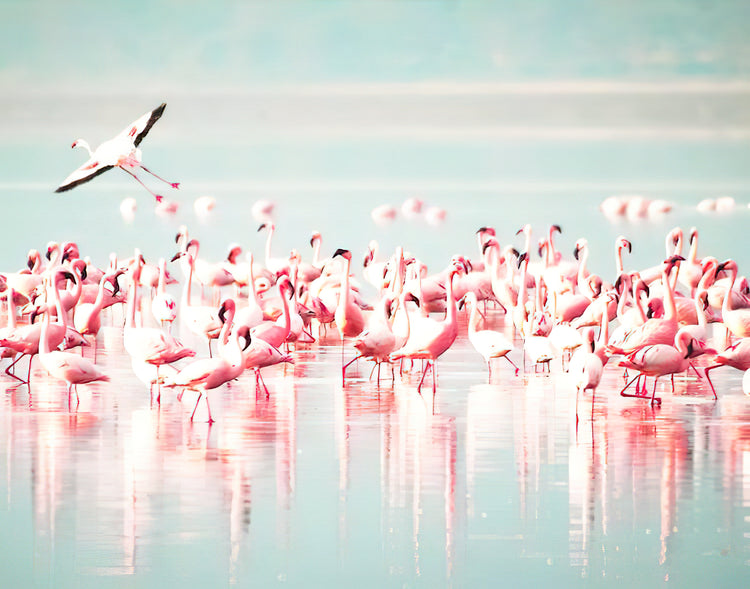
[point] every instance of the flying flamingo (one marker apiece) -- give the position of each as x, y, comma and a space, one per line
121, 152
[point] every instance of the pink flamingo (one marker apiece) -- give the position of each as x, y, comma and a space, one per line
121, 152
736, 321
87, 316
202, 320
431, 338
163, 305
490, 344
349, 318
206, 374
586, 367
377, 341
659, 360
653, 331
260, 354
71, 368
149, 344
270, 331
25, 340
737, 356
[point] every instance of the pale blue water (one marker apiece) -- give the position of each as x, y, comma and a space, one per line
501, 113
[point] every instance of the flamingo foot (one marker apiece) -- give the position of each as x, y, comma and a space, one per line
175, 185
159, 197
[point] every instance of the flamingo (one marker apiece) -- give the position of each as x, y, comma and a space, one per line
349, 318
163, 305
586, 366
659, 360
71, 368
656, 330
737, 356
274, 333
25, 340
490, 344
206, 273
87, 316
431, 339
206, 374
737, 321
149, 344
121, 151
260, 354
202, 320
377, 341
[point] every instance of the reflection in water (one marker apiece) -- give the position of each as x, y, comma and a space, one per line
381, 481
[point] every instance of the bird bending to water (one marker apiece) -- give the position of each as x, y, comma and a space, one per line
121, 151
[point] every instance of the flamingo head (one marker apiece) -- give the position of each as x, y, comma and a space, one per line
623, 243
346, 254
234, 251
227, 306
523, 257
581, 244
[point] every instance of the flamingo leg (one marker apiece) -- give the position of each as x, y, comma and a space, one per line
654, 398
158, 197
708, 378
11, 365
260, 378
345, 366
196, 406
172, 184
624, 394
424, 373
512, 364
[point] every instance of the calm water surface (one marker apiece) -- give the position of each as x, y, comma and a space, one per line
321, 483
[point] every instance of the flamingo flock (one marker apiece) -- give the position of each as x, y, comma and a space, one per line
684, 316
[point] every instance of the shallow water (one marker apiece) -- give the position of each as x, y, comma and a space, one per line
323, 483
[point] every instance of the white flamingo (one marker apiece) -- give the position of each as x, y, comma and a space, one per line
121, 151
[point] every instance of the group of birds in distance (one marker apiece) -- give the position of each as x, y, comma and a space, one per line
656, 322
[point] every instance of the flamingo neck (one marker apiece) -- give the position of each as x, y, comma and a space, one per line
85, 144
582, 268
670, 310
11, 309
726, 305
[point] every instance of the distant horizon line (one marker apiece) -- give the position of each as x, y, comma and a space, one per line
736, 85
716, 189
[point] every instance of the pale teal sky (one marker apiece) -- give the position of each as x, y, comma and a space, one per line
186, 44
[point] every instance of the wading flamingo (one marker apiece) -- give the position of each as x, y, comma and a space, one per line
71, 368
430, 339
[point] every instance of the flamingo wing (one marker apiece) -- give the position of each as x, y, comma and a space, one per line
90, 169
139, 128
